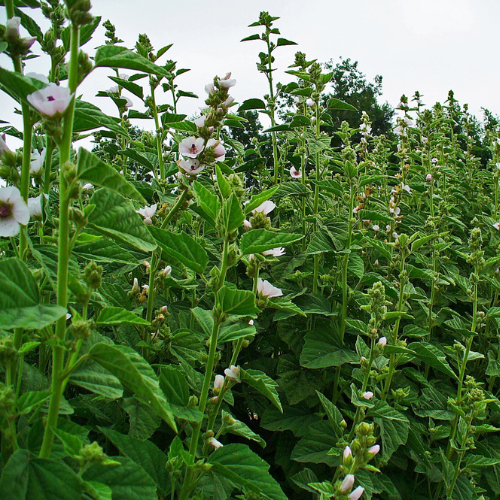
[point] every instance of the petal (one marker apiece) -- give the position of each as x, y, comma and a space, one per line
8, 227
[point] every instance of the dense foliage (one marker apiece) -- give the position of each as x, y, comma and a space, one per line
217, 311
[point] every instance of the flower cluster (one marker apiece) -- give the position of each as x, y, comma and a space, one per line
202, 150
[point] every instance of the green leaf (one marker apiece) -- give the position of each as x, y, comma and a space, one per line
17, 85
91, 169
284, 41
182, 247
292, 188
222, 182
260, 240
322, 350
297, 382
207, 201
340, 105
115, 217
320, 243
252, 104
128, 481
130, 86
136, 374
232, 213
334, 416
240, 429
104, 250
262, 383
26, 477
113, 56
297, 419
94, 378
143, 421
237, 302
118, 316
243, 467
234, 331
89, 117
19, 299
29, 400
72, 444
315, 445
145, 454
257, 199
431, 355
374, 215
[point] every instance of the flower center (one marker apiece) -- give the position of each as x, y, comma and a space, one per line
5, 210
50, 98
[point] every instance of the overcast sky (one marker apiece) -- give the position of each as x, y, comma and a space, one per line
427, 45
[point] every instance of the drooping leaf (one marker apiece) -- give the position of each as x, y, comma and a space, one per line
260, 240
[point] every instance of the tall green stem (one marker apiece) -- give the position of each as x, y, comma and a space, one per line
57, 386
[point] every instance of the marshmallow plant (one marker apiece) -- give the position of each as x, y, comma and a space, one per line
313, 310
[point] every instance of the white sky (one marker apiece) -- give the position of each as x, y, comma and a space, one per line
427, 45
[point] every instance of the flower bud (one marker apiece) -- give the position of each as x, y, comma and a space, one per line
367, 395
374, 449
382, 341
356, 494
218, 382
347, 483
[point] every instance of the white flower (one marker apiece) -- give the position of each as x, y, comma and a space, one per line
216, 444
35, 206
498, 166
38, 76
267, 290
247, 224
347, 483
219, 381
347, 452
147, 213
497, 226
382, 341
395, 235
251, 322
190, 166
356, 494
428, 177
355, 210
376, 228
12, 28
200, 121
3, 148
434, 161
145, 288
409, 122
219, 150
388, 227
233, 373
165, 273
296, 174
374, 449
310, 102
275, 252
424, 140
13, 211
368, 395
37, 159
226, 82
113, 90
129, 103
87, 186
210, 88
228, 102
406, 188
266, 207
51, 101
191, 146
135, 285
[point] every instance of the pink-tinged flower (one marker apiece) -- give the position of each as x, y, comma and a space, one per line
310, 102
135, 285
428, 177
247, 224
382, 341
395, 235
147, 213
233, 373
296, 174
13, 211
216, 444
200, 121
218, 382
27, 42
226, 82
219, 150
267, 290
38, 76
113, 90
347, 452
35, 206
51, 101
12, 28
376, 228
347, 483
227, 103
87, 186
164, 309
251, 323
128, 103
497, 226
191, 146
266, 207
37, 159
190, 166
275, 252
3, 147
124, 76
376, 262
374, 449
368, 395
434, 161
356, 494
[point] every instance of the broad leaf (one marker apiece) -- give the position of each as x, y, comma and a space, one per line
260, 240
